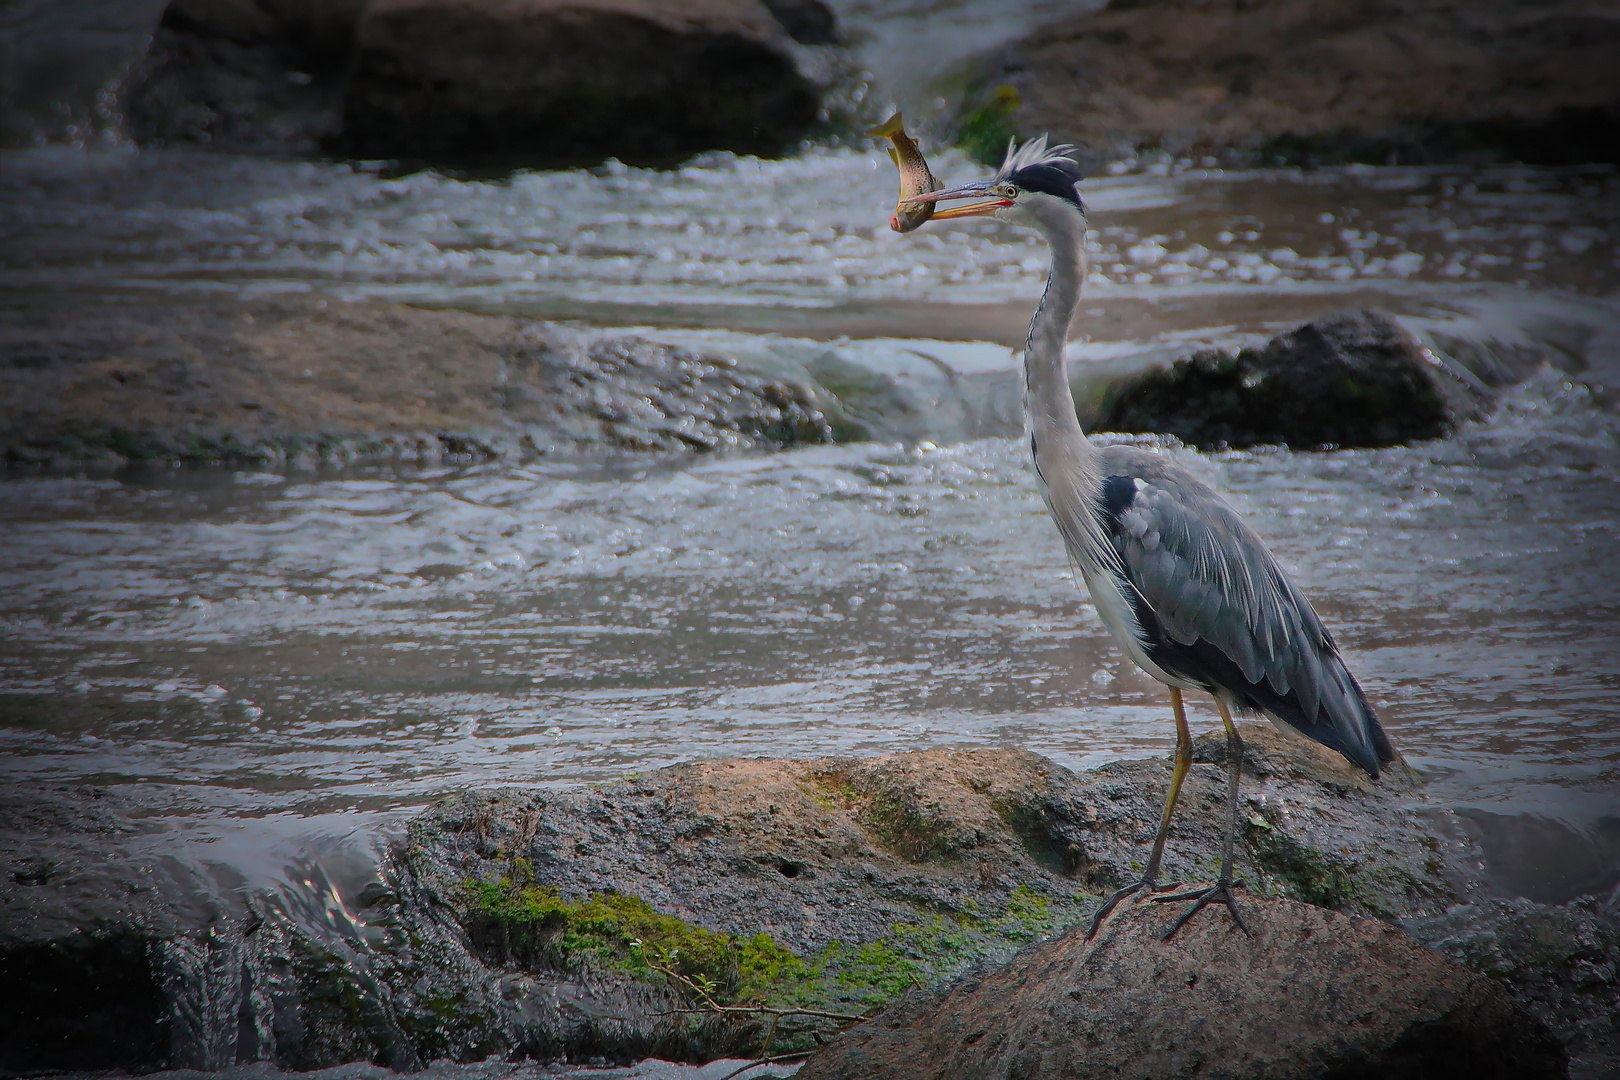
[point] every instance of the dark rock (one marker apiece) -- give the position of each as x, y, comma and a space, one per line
809, 22
90, 1004
558, 80
1436, 80
1561, 963
538, 81
127, 957
1312, 993
1353, 379
262, 76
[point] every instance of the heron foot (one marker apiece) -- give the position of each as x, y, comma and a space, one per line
1145, 885
1220, 892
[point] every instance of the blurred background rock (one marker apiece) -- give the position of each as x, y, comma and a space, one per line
1315, 81
528, 81
548, 82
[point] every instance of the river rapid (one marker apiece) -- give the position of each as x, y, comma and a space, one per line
283, 666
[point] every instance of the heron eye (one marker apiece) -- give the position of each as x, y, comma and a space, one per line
1009, 191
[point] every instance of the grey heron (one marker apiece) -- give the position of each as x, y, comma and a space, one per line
1184, 586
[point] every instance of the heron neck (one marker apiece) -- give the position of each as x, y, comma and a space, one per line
1048, 401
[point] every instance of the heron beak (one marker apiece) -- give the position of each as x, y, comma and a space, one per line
986, 208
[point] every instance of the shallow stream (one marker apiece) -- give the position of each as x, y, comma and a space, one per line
282, 666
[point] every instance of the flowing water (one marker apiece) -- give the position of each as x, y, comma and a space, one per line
280, 667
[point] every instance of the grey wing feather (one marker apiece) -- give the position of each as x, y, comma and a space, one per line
1207, 577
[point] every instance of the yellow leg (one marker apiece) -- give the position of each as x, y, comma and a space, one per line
1150, 877
1179, 774
1222, 891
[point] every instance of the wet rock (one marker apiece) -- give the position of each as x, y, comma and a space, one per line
304, 382
1357, 378
548, 924
1562, 963
809, 22
77, 920
117, 953
255, 76
541, 923
575, 79
1312, 993
840, 883
1441, 80
641, 395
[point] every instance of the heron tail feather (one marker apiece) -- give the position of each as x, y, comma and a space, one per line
1345, 721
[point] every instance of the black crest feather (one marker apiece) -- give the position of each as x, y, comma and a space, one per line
1036, 167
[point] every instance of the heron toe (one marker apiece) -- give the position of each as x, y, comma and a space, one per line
1221, 892
1145, 885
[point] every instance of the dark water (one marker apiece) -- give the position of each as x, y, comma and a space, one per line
267, 659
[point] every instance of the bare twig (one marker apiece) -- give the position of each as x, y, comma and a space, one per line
758, 1010
770, 1033
765, 1061
711, 1005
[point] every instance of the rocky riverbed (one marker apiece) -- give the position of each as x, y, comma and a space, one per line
1294, 80
305, 382
302, 382
659, 915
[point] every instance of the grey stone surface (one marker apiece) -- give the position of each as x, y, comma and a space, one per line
1311, 994
1561, 962
291, 382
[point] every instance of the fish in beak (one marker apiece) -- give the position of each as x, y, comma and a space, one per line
979, 189
914, 175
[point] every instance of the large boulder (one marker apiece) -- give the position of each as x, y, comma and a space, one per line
1356, 378
1310, 80
259, 76
299, 380
533, 81
559, 80
1312, 993
550, 924
542, 923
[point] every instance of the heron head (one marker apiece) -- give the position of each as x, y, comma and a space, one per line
1033, 184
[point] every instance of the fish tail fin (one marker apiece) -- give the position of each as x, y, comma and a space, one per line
894, 155
892, 126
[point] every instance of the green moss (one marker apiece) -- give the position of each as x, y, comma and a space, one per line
984, 131
1307, 874
1366, 883
613, 931
1029, 911
901, 827
534, 926
823, 798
